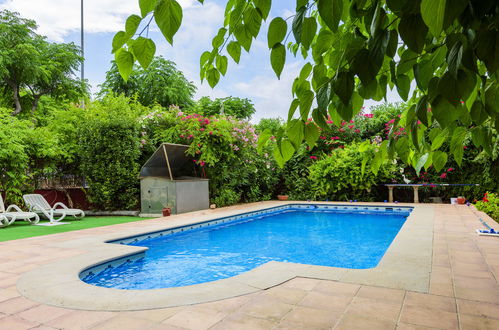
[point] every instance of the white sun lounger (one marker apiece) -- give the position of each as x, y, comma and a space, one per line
38, 204
13, 213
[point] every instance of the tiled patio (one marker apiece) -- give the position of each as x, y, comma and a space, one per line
463, 293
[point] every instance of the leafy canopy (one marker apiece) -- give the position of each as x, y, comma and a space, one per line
356, 50
29, 63
231, 106
160, 83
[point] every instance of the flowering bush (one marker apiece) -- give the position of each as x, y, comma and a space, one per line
223, 147
490, 205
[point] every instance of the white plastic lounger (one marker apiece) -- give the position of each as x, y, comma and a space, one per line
38, 204
13, 213
4, 221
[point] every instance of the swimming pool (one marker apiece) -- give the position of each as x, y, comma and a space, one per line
344, 236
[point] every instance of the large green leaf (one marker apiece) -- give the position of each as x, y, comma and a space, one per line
278, 58
311, 134
423, 72
221, 63
277, 31
403, 86
234, 50
120, 38
306, 100
433, 13
439, 140
124, 60
308, 32
252, 21
457, 143
343, 86
287, 150
263, 6
421, 162
454, 58
168, 17
422, 110
295, 132
212, 76
146, 6
144, 50
413, 31
331, 11
131, 25
298, 23
363, 66
439, 160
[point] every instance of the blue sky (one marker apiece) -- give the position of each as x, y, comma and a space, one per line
253, 78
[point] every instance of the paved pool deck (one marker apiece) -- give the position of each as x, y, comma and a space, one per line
449, 282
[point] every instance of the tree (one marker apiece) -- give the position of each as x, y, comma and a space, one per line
231, 106
160, 83
356, 50
29, 63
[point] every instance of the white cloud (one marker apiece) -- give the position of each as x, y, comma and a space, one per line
271, 96
58, 18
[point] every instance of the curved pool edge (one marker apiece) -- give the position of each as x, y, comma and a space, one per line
405, 265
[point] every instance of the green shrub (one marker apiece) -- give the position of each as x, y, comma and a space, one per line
490, 205
339, 176
226, 197
110, 149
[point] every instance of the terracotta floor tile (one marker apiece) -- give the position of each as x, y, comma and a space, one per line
475, 283
312, 317
6, 294
478, 308
301, 283
337, 288
407, 326
16, 305
430, 301
15, 323
375, 308
428, 317
120, 322
228, 305
485, 295
286, 295
43, 313
79, 320
352, 321
156, 315
194, 320
324, 301
266, 308
470, 322
372, 292
241, 321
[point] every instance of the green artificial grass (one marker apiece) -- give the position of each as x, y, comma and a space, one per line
22, 229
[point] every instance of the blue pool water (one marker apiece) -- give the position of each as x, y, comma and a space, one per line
347, 239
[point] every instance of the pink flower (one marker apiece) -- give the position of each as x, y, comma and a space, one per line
350, 126
391, 121
443, 175
201, 129
351, 122
450, 169
313, 157
357, 130
322, 137
465, 147
341, 130
211, 133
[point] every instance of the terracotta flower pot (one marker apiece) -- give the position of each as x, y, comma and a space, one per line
167, 212
461, 200
282, 197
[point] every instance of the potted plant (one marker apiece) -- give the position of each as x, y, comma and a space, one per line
282, 197
461, 200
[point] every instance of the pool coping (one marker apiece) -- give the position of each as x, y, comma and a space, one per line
405, 265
